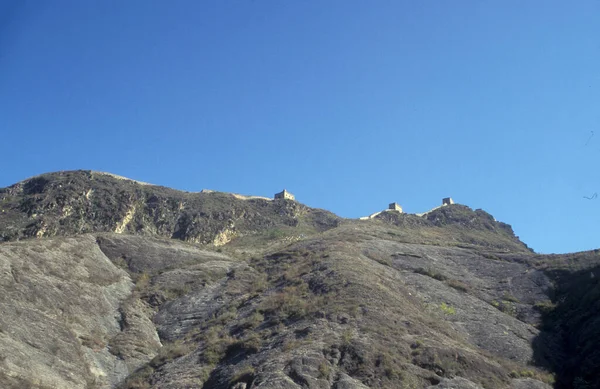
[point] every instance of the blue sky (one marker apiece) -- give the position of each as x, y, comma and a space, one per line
348, 104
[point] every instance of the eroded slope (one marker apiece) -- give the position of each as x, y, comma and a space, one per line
72, 318
348, 310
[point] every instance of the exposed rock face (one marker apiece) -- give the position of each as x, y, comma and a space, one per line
78, 202
64, 304
253, 293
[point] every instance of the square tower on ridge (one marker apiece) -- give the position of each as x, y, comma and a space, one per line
447, 201
284, 195
395, 207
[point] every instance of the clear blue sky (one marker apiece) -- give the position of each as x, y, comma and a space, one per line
348, 104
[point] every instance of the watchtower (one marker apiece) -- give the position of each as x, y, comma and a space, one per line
447, 201
395, 207
284, 195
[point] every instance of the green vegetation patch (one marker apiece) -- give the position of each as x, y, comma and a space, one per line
447, 309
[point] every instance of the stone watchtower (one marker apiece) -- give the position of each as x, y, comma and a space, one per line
395, 207
284, 195
447, 201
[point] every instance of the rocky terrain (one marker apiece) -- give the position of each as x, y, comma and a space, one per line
110, 283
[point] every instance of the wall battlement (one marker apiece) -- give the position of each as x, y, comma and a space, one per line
396, 207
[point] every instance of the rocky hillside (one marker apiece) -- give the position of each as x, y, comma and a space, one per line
77, 202
108, 283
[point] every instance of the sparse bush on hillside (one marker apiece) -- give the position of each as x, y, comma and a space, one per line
324, 370
522, 374
430, 272
491, 256
252, 321
216, 341
259, 285
505, 306
249, 345
142, 281
545, 306
95, 341
224, 316
276, 233
140, 379
458, 285
176, 292
447, 309
243, 375
169, 352
291, 303
509, 297
347, 336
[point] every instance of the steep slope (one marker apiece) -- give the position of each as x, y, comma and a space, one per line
74, 319
293, 298
325, 312
62, 302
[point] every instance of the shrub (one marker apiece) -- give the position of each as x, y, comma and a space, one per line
509, 297
491, 256
458, 285
447, 309
291, 303
140, 379
252, 321
224, 316
347, 337
429, 272
324, 370
216, 343
259, 285
522, 374
250, 345
94, 341
389, 366
170, 352
276, 233
244, 375
545, 306
291, 344
142, 281
505, 306
176, 292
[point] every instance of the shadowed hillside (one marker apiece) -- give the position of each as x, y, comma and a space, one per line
570, 337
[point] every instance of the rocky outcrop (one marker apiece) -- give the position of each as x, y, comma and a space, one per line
64, 304
457, 225
75, 202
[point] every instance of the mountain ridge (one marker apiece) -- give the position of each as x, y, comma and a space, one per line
165, 210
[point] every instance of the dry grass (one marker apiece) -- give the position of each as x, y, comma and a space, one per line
458, 285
